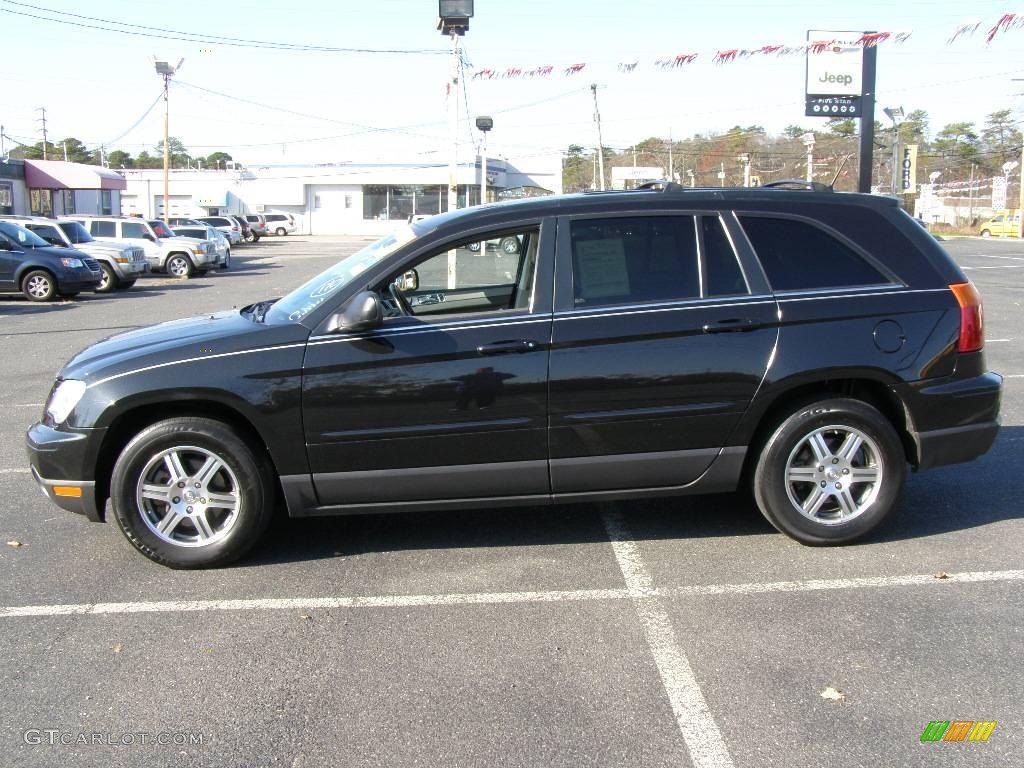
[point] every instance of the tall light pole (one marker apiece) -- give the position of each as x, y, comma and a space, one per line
745, 159
600, 142
453, 22
1020, 202
808, 140
896, 115
166, 71
484, 124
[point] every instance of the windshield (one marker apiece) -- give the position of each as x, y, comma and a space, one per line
22, 236
161, 229
76, 232
311, 294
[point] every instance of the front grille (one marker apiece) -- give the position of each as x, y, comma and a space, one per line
92, 264
138, 254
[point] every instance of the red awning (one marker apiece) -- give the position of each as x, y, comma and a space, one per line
56, 174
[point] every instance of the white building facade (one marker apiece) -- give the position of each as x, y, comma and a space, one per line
343, 198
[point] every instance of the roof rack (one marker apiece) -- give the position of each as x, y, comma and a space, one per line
811, 186
664, 185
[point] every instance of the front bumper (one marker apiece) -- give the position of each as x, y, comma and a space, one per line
131, 270
63, 464
963, 417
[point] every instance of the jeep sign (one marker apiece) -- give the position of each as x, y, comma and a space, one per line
834, 69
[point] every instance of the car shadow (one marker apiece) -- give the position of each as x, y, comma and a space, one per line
944, 500
11, 306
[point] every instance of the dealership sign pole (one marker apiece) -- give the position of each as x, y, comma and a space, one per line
841, 84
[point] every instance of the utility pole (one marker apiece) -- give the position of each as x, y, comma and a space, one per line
1020, 202
671, 173
166, 71
600, 143
43, 110
808, 140
65, 151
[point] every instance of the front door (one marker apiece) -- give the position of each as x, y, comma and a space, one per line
661, 338
447, 399
9, 261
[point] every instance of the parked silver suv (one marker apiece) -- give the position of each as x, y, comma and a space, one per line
120, 262
177, 256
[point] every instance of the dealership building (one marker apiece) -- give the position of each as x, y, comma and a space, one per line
336, 198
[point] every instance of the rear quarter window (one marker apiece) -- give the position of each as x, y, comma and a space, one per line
798, 256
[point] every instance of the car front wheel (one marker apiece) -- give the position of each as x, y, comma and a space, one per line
986, 233
39, 285
190, 493
830, 472
108, 280
180, 265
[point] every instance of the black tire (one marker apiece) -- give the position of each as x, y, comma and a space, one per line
227, 259
109, 282
39, 285
256, 237
244, 476
835, 515
986, 233
124, 285
249, 237
509, 245
281, 232
180, 265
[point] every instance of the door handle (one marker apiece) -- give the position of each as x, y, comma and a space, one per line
732, 325
507, 347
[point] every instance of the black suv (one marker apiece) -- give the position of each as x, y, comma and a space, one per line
647, 343
42, 272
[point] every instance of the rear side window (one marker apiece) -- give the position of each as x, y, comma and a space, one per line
275, 217
634, 260
798, 256
133, 229
103, 228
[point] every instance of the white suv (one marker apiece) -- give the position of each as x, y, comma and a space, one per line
280, 223
177, 256
121, 263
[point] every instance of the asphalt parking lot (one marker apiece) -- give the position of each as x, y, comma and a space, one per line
671, 632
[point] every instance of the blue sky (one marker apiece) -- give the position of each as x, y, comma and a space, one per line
96, 84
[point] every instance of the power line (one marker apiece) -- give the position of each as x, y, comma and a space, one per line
194, 37
138, 122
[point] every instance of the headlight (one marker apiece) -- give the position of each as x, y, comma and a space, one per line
72, 262
64, 398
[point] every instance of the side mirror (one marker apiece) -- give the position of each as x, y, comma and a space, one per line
408, 281
362, 312
149, 237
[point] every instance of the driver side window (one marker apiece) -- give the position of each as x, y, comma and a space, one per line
492, 272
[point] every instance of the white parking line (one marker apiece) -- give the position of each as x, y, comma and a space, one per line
14, 471
628, 550
293, 603
700, 732
998, 266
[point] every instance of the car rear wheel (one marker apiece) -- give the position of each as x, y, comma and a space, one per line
830, 472
108, 280
39, 285
180, 265
190, 493
280, 231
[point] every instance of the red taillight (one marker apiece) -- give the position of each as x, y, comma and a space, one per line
972, 319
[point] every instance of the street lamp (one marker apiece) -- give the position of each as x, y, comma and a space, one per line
896, 115
484, 124
453, 21
808, 140
166, 71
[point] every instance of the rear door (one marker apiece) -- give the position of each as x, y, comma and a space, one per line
661, 338
10, 258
